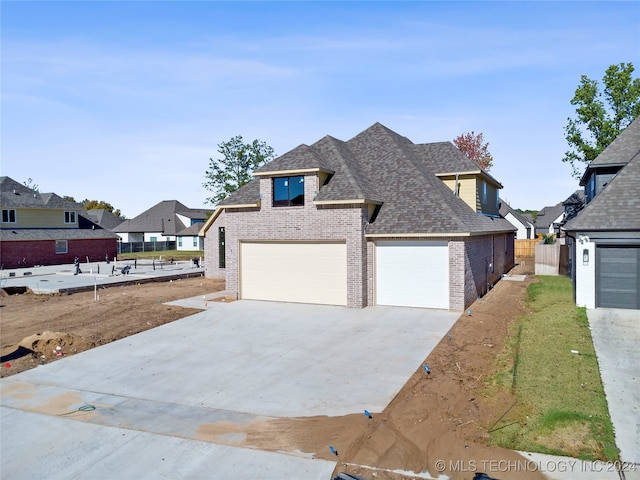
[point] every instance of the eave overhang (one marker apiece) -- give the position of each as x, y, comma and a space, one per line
294, 171
482, 173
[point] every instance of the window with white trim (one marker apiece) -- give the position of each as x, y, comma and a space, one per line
8, 216
484, 192
62, 246
69, 217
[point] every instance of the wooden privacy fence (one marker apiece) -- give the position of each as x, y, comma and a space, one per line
552, 259
526, 247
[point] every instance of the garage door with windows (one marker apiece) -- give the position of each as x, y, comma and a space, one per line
300, 272
412, 273
618, 277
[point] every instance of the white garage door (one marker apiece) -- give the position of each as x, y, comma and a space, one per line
305, 272
412, 274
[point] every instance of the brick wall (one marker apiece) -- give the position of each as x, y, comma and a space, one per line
43, 252
468, 256
486, 259
308, 222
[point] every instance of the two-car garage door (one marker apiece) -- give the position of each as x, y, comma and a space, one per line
302, 272
412, 273
407, 273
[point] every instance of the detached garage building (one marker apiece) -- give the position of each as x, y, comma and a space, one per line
375, 220
605, 235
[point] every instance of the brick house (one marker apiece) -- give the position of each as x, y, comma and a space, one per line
375, 220
44, 229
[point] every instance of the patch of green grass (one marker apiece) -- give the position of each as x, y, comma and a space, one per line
165, 254
560, 406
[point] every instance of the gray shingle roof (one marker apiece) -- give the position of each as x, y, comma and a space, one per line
505, 209
162, 217
622, 149
617, 207
22, 234
548, 215
301, 157
191, 231
618, 153
248, 194
381, 166
103, 217
16, 195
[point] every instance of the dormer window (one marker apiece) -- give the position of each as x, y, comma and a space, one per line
69, 217
288, 191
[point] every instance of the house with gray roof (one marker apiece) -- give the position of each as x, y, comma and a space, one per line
549, 219
189, 238
605, 234
44, 229
525, 227
375, 220
160, 223
103, 217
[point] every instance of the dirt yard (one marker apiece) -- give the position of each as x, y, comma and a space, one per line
33, 326
441, 416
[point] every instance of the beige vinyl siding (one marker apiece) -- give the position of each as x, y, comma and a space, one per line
467, 189
300, 272
41, 218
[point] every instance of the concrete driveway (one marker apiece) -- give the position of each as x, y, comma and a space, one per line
616, 337
233, 362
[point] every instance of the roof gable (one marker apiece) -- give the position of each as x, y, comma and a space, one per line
505, 209
379, 166
617, 207
162, 217
618, 153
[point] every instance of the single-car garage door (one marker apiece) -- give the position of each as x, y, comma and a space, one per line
618, 277
412, 274
302, 272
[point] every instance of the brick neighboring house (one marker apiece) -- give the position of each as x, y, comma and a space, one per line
605, 235
376, 220
162, 222
44, 229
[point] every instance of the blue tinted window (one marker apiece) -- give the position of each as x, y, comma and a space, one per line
288, 191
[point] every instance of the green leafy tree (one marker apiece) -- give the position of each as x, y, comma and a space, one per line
227, 174
600, 115
100, 205
473, 147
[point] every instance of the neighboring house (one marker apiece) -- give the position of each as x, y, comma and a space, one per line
44, 229
189, 239
525, 226
160, 223
573, 205
376, 220
605, 235
549, 219
104, 218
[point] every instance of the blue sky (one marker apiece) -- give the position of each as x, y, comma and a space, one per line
127, 101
